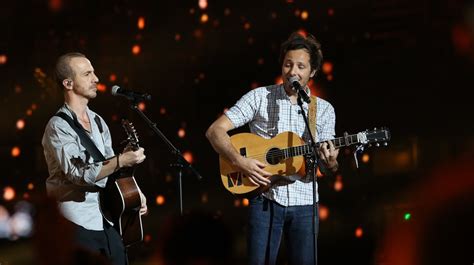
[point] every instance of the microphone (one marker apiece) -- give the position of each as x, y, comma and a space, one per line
294, 81
130, 95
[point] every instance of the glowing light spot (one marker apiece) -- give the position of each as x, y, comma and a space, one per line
192, 11
359, 232
338, 183
237, 203
18, 89
112, 77
160, 200
303, 32
34, 106
323, 212
202, 4
279, 80
3, 59
247, 26
365, 158
26, 196
204, 198
407, 216
141, 23
204, 18
245, 202
55, 5
327, 67
147, 238
198, 34
181, 133
304, 15
8, 193
142, 106
330, 77
29, 112
226, 11
331, 12
30, 186
297, 12
101, 87
15, 151
20, 124
177, 37
136, 49
162, 110
188, 156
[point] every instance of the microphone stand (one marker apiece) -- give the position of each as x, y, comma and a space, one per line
312, 158
180, 161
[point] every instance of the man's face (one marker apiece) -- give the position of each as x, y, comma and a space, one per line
84, 80
296, 63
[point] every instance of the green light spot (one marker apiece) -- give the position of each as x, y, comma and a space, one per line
407, 216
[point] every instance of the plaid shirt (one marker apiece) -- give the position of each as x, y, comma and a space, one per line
269, 111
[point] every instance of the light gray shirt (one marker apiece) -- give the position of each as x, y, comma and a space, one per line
269, 111
72, 171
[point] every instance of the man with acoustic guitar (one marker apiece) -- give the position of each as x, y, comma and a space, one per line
74, 178
284, 208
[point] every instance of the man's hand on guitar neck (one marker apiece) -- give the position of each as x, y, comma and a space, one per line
328, 154
130, 158
253, 169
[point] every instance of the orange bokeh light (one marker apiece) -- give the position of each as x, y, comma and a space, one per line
247, 26
112, 77
327, 67
245, 202
136, 49
304, 15
204, 18
323, 212
8, 193
15, 151
188, 156
359, 232
162, 110
181, 133
101, 87
142, 106
237, 203
338, 184
20, 124
141, 23
203, 4
3, 59
365, 158
160, 200
30, 186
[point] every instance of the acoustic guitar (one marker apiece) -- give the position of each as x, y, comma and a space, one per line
120, 199
283, 155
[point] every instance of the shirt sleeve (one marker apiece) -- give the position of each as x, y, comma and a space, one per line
62, 145
244, 110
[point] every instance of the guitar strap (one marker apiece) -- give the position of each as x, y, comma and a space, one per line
86, 141
312, 117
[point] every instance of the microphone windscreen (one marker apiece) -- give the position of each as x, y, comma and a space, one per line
293, 79
115, 89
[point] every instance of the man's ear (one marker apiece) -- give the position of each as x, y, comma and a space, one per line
67, 83
313, 73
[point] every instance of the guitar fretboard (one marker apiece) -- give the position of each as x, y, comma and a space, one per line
306, 149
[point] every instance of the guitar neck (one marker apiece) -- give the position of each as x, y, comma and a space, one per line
306, 149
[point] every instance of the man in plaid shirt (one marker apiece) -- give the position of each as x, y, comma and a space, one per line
285, 208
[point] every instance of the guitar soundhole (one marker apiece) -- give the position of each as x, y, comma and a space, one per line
274, 156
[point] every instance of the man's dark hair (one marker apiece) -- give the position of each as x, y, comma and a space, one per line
63, 69
297, 41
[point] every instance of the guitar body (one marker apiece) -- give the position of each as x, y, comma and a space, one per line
254, 146
120, 204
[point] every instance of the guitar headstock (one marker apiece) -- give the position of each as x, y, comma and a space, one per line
132, 137
377, 137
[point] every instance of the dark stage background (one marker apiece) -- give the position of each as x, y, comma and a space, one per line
406, 65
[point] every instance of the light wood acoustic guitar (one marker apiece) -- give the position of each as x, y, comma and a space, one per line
283, 155
120, 199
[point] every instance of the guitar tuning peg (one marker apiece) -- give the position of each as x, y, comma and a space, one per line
377, 144
370, 145
375, 128
385, 144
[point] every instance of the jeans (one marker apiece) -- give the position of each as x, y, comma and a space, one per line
268, 221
